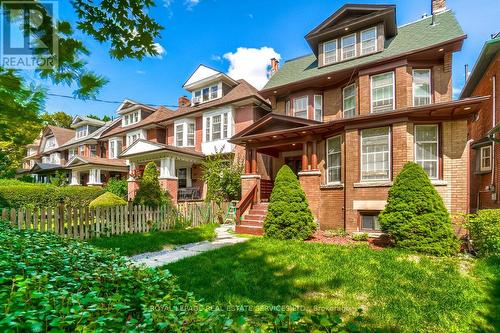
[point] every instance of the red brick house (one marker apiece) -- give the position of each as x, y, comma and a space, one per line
484, 128
346, 118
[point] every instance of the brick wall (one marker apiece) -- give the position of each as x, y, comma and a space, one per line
332, 104
171, 186
310, 183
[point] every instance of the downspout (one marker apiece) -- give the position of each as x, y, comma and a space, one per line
493, 171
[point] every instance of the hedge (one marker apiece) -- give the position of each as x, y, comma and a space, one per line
484, 231
54, 284
45, 195
107, 199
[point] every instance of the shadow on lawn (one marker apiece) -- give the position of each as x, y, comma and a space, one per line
490, 268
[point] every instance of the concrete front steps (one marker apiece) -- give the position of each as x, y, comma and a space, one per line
251, 223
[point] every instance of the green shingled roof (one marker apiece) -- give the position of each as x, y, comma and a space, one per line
410, 37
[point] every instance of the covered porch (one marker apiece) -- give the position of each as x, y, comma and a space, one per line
95, 171
179, 167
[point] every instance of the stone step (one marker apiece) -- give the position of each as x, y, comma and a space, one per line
255, 211
251, 223
251, 217
250, 230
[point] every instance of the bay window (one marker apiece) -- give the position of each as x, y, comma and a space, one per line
375, 154
207, 129
349, 101
300, 107
134, 136
382, 92
330, 52
427, 149
485, 159
318, 107
93, 150
421, 87
190, 134
369, 41
218, 126
184, 133
225, 124
333, 167
216, 129
115, 148
179, 135
348, 47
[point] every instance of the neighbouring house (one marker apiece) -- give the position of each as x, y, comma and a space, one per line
346, 118
178, 141
484, 128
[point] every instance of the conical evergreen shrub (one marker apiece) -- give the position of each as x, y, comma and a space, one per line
288, 216
150, 193
415, 216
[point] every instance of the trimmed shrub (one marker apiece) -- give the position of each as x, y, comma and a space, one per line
415, 216
150, 193
18, 181
118, 187
288, 216
107, 199
54, 284
45, 195
360, 236
484, 231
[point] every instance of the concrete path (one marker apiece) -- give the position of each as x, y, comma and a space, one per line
160, 258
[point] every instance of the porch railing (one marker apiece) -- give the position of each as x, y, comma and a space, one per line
245, 202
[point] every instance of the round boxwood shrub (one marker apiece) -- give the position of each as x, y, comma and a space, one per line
288, 216
484, 231
415, 216
108, 199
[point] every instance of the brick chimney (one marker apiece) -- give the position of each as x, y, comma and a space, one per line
184, 102
275, 64
438, 6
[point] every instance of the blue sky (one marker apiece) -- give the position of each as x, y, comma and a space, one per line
242, 35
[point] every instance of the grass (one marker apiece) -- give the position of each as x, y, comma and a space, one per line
131, 244
399, 291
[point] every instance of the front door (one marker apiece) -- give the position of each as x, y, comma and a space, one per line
295, 163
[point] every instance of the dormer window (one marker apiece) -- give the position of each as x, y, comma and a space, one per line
81, 132
330, 52
131, 118
369, 41
348, 47
51, 143
207, 94
214, 92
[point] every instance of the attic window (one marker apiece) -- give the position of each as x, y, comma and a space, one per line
81, 132
369, 41
330, 52
348, 47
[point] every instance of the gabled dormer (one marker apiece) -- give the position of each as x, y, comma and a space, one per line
207, 84
132, 112
85, 126
351, 32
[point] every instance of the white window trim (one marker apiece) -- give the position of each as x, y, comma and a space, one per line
413, 83
393, 91
361, 157
343, 99
79, 130
131, 117
211, 115
116, 153
336, 52
437, 145
321, 99
210, 98
361, 42
328, 181
342, 46
481, 158
185, 126
140, 135
307, 107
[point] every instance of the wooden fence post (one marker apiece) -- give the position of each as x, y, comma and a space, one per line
60, 219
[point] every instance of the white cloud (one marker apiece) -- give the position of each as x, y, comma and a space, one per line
160, 49
456, 92
250, 16
251, 64
167, 3
191, 3
140, 72
216, 57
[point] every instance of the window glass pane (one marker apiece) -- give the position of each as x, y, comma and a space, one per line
370, 222
382, 92
369, 41
205, 94
349, 103
216, 129
330, 52
485, 155
179, 135
318, 107
375, 154
426, 149
214, 92
421, 87
333, 160
349, 46
207, 129
225, 133
300, 107
190, 135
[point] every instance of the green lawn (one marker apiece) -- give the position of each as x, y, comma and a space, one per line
399, 291
130, 244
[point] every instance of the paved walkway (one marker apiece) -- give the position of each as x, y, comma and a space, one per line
160, 258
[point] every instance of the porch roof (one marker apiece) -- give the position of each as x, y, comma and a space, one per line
141, 146
257, 135
105, 162
45, 167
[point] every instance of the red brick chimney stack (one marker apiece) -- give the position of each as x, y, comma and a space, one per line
275, 64
438, 6
184, 102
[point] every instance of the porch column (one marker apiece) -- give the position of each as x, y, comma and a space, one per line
314, 156
75, 177
247, 160
94, 177
254, 161
168, 181
305, 160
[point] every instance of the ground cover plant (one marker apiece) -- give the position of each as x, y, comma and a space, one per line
289, 216
398, 290
131, 244
415, 216
53, 284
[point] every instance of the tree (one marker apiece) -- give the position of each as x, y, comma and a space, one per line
150, 192
117, 186
415, 216
59, 179
59, 119
288, 215
104, 118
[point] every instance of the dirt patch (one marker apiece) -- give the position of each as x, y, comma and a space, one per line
321, 236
